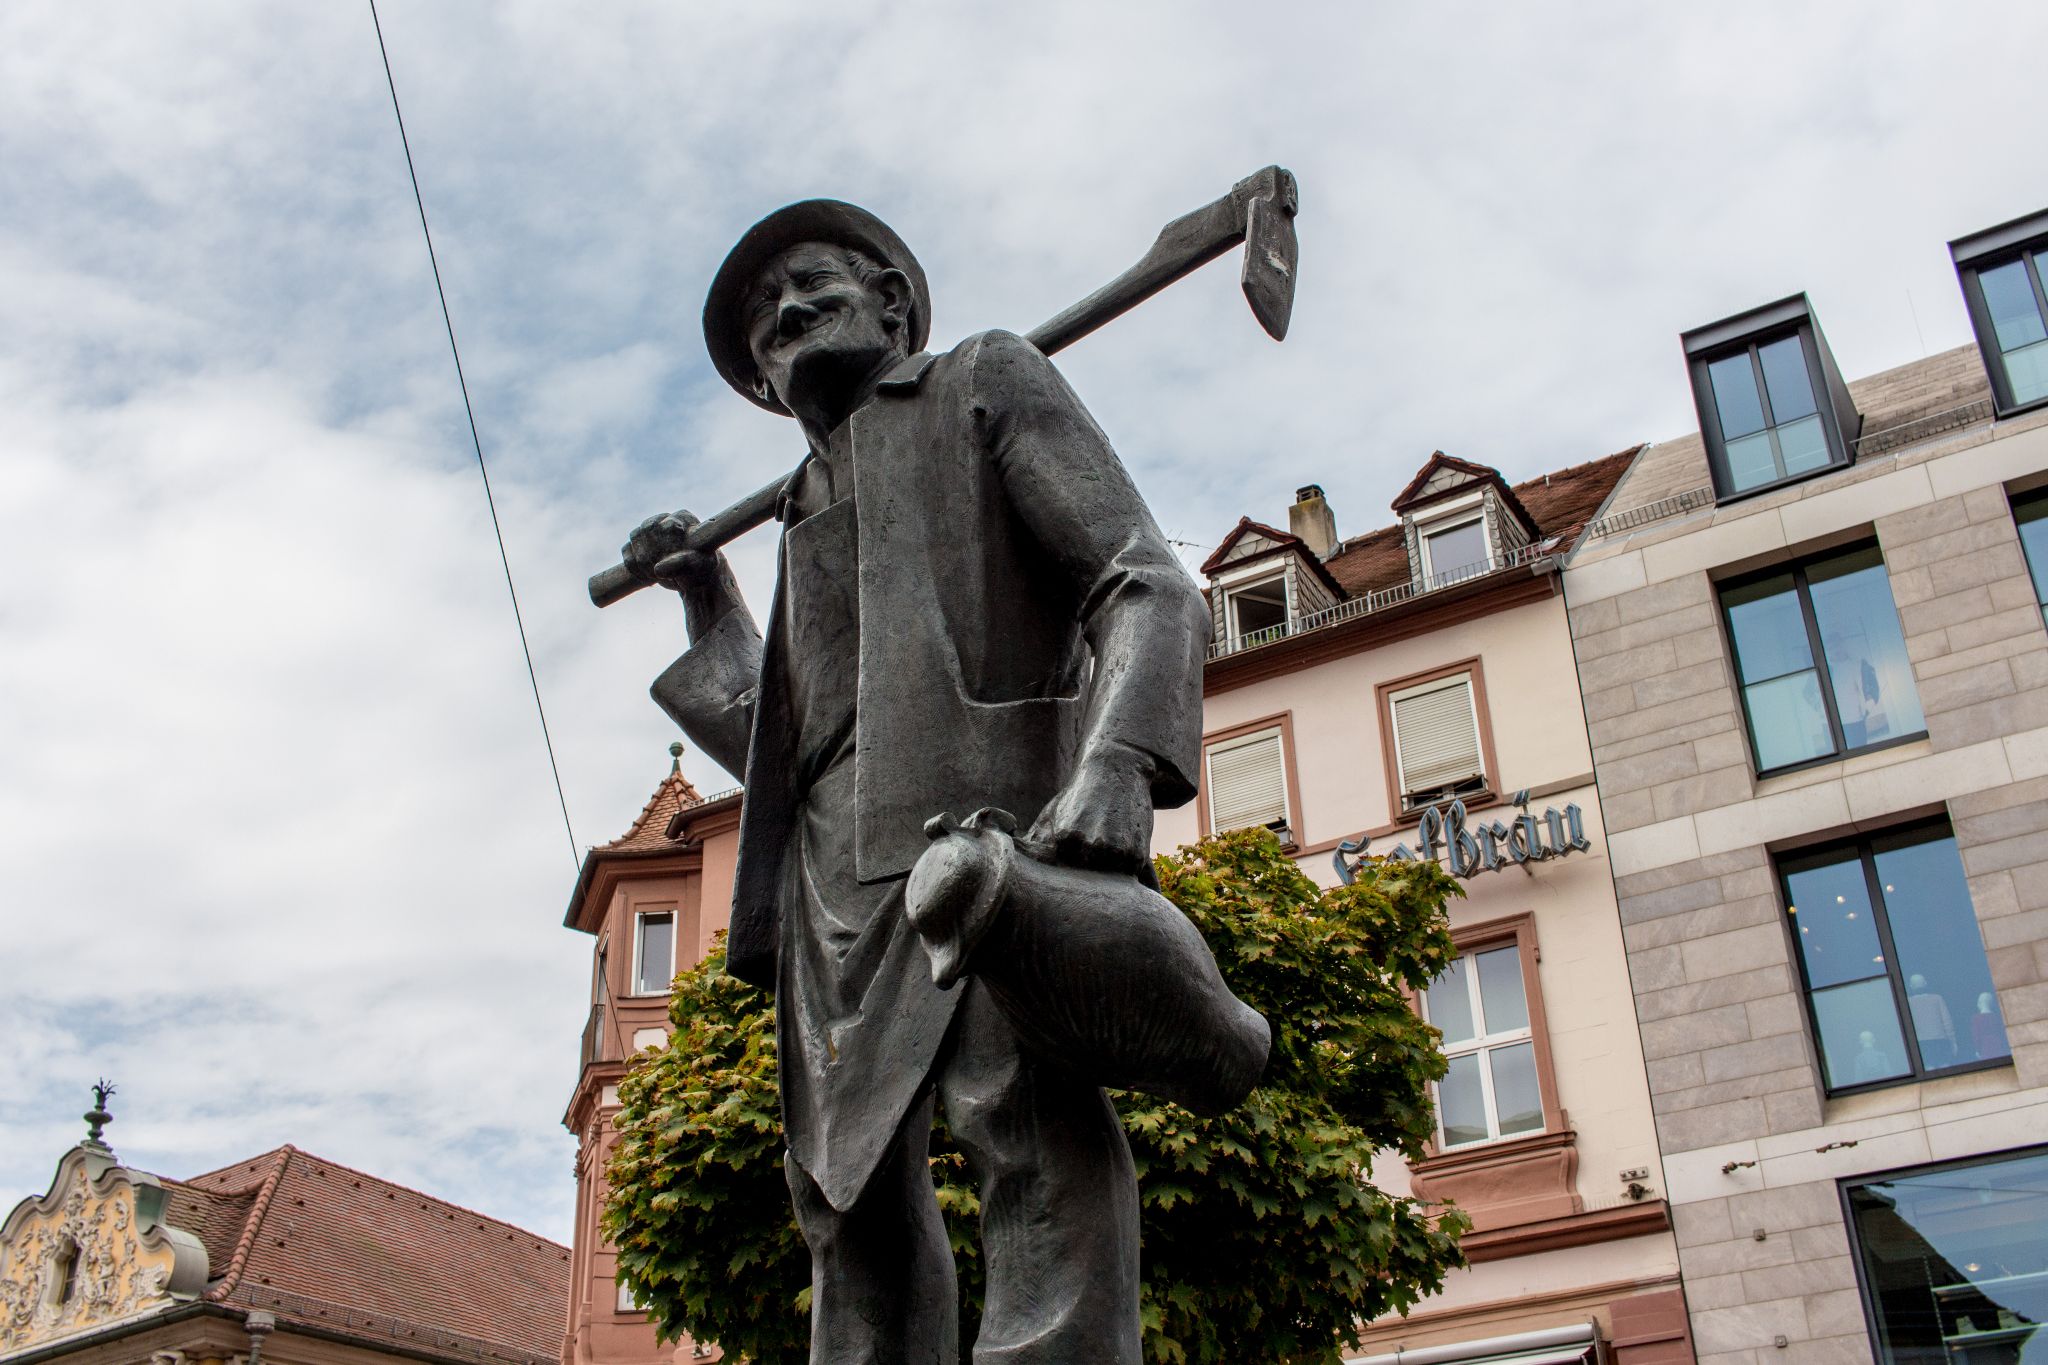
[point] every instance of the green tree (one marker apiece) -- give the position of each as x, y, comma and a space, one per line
1263, 1234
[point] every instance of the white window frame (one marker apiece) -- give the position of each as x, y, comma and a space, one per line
1230, 595
627, 1303
1481, 1043
1451, 522
1449, 680
640, 942
1275, 732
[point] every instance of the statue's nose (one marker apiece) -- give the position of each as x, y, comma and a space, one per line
793, 317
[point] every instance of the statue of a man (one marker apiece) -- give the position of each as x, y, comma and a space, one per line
974, 610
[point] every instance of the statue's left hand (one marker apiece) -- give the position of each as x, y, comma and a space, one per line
1102, 818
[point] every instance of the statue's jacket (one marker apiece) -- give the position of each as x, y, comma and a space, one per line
1017, 609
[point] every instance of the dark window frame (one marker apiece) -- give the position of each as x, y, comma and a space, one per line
1866, 847
1749, 332
2022, 239
1865, 1294
2028, 507
1797, 569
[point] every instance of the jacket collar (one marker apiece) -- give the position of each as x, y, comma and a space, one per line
908, 374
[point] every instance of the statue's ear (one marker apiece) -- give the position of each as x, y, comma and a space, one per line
897, 297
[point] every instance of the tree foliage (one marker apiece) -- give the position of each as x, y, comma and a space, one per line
1263, 1234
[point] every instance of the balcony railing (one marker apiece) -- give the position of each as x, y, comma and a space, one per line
593, 1035
1367, 603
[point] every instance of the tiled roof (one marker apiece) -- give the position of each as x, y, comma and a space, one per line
650, 829
1560, 504
321, 1243
1246, 527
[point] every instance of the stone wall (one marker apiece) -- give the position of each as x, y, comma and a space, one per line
1753, 1146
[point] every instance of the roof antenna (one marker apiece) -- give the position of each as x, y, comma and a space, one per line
97, 1117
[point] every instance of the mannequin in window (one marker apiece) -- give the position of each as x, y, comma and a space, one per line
1933, 1025
1871, 1064
1987, 1033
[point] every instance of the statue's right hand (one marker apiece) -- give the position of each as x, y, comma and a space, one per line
658, 551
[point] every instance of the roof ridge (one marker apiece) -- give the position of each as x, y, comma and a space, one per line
1538, 480
244, 1244
433, 1198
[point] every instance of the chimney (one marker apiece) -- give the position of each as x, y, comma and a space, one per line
1312, 521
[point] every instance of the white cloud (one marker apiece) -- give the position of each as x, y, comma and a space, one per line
281, 852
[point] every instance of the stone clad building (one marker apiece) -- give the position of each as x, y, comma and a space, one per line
1811, 642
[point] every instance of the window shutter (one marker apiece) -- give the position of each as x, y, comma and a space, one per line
1247, 782
1436, 735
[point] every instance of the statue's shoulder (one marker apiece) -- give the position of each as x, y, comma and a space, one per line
1000, 365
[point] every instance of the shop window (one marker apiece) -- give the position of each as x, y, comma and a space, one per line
2002, 272
1438, 742
1487, 1007
1821, 660
1246, 781
1954, 1260
1896, 982
2030, 515
1771, 406
1258, 609
654, 954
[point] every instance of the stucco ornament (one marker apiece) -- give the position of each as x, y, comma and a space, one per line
91, 1251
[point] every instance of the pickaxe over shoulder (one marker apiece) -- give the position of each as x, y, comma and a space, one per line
1259, 211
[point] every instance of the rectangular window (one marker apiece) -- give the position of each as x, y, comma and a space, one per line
655, 954
1247, 781
1258, 609
629, 1302
1481, 1006
1772, 406
1821, 659
2002, 272
1954, 1260
1455, 551
1436, 741
1892, 962
2030, 515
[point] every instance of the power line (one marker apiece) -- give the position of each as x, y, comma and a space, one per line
532, 678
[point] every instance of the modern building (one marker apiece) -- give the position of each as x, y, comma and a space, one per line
1412, 692
651, 900
1811, 643
285, 1258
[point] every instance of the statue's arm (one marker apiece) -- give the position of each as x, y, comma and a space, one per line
710, 690
1142, 614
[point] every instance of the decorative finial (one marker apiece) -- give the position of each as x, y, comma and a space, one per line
97, 1117
675, 753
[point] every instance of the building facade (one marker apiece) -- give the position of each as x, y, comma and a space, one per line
1412, 692
651, 900
285, 1258
1811, 643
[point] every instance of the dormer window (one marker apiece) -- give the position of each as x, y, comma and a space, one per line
1455, 548
1257, 606
2002, 271
1772, 406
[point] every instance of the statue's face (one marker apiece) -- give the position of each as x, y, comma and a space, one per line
817, 331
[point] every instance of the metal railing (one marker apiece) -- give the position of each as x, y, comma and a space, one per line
593, 1035
1650, 511
1365, 604
1923, 427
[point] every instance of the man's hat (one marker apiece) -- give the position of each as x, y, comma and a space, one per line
812, 220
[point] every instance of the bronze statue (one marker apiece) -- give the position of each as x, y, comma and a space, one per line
975, 616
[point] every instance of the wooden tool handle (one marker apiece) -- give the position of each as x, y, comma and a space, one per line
619, 582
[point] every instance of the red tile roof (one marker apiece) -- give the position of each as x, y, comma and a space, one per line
650, 829
323, 1244
1560, 503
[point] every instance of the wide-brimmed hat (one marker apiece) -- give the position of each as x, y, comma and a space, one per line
812, 220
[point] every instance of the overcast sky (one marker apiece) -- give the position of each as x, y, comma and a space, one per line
279, 851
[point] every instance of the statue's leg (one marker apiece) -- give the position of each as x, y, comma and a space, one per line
1059, 1199
882, 1287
